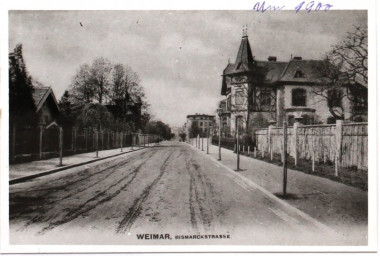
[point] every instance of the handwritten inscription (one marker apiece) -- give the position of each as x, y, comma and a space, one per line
304, 5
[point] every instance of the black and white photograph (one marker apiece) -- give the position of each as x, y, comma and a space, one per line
189, 127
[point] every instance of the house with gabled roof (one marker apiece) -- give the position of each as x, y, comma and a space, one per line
263, 92
46, 105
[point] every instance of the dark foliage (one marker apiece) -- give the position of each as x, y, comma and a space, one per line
22, 109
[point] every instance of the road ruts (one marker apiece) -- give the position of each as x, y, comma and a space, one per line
201, 196
134, 211
122, 177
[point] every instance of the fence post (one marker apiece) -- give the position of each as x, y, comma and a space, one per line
338, 140
270, 128
85, 137
60, 146
313, 162
75, 138
102, 134
121, 141
72, 138
295, 136
202, 143
96, 142
13, 149
41, 133
248, 149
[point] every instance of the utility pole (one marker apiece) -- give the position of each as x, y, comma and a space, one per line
285, 164
237, 144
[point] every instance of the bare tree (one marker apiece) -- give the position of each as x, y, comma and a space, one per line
101, 78
82, 89
126, 83
344, 74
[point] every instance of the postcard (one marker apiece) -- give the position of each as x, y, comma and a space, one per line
140, 127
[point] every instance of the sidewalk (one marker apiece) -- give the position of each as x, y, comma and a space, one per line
17, 171
338, 206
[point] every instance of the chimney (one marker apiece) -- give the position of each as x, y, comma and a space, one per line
272, 58
297, 58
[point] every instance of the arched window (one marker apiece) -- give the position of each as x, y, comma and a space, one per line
299, 97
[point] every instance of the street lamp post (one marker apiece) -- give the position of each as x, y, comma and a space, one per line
220, 133
237, 143
208, 138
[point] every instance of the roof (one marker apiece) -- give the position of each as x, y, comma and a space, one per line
244, 59
200, 115
271, 70
41, 94
306, 70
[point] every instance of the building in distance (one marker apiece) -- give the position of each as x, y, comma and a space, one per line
199, 124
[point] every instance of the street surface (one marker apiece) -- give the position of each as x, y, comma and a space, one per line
167, 189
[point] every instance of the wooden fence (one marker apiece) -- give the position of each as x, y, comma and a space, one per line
28, 144
346, 145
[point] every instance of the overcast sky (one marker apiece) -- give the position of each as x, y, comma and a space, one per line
179, 55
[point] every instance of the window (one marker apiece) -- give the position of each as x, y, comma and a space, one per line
298, 74
334, 98
265, 98
299, 97
201, 123
331, 120
239, 97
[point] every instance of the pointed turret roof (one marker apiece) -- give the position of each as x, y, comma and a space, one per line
244, 59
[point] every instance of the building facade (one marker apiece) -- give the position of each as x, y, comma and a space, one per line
264, 92
46, 105
199, 124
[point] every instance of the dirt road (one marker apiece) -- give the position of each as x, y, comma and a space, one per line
170, 190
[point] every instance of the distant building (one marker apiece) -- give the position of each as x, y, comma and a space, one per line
46, 105
199, 124
271, 91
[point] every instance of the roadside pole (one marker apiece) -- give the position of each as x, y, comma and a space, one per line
237, 144
285, 163
96, 142
202, 143
208, 138
60, 145
237, 149
121, 141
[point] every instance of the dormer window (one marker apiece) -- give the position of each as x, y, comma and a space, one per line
298, 74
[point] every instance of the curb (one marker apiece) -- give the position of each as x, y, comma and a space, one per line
59, 169
273, 197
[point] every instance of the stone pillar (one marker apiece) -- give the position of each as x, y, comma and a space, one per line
338, 143
270, 144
